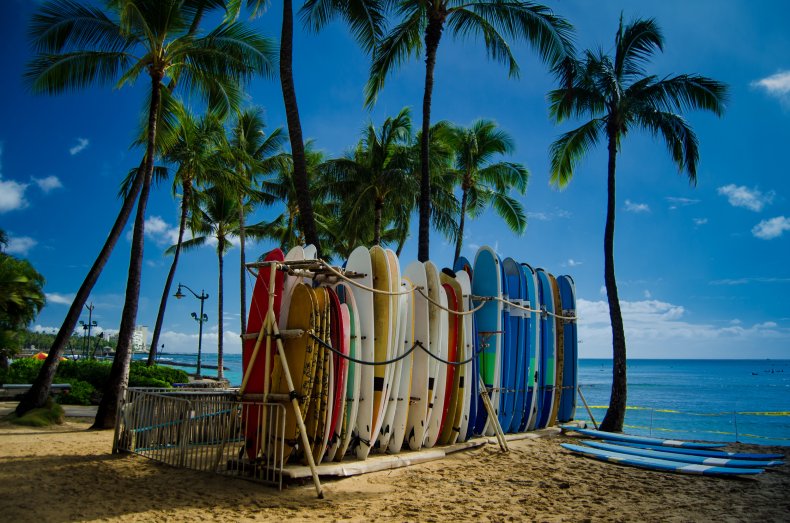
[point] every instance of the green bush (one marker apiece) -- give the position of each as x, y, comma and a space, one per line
95, 372
3, 375
140, 372
142, 381
24, 370
82, 393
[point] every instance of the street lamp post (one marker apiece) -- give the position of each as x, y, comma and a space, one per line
200, 319
86, 328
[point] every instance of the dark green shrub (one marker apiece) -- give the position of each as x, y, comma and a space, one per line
82, 393
142, 381
95, 372
24, 370
140, 371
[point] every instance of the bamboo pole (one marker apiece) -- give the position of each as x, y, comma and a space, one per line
492, 417
589, 412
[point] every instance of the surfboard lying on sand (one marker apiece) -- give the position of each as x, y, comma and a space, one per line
708, 453
658, 464
614, 436
685, 458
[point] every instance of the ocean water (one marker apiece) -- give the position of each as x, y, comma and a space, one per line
717, 400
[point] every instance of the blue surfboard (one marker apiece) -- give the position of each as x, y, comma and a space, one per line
472, 382
507, 375
516, 340
548, 351
685, 458
614, 436
570, 372
533, 344
708, 453
659, 464
487, 281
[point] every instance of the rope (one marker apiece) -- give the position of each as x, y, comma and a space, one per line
447, 362
363, 362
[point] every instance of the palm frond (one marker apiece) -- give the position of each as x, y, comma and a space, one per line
63, 25
510, 210
681, 92
56, 73
568, 150
404, 41
464, 22
679, 138
635, 43
365, 18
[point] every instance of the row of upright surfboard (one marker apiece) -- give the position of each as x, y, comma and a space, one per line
400, 367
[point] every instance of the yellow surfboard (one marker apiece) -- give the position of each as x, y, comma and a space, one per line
560, 360
300, 353
382, 335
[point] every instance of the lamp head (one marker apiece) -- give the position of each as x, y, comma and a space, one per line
194, 315
178, 295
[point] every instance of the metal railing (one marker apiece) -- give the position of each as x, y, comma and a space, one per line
205, 430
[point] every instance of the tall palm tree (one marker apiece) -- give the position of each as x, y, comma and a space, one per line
217, 219
376, 173
618, 95
78, 45
483, 183
425, 21
21, 299
366, 20
285, 228
251, 153
195, 153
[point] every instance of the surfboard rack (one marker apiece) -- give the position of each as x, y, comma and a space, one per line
271, 331
493, 418
286, 334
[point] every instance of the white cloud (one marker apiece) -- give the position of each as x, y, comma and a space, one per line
82, 143
776, 85
181, 342
773, 228
747, 280
742, 196
548, 215
158, 230
659, 329
572, 263
676, 201
12, 194
636, 207
647, 294
20, 245
60, 299
48, 184
700, 221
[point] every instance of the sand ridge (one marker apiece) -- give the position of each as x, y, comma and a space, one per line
67, 473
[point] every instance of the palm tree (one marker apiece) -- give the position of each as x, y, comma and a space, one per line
77, 46
252, 153
217, 219
21, 299
483, 183
366, 19
425, 20
285, 228
376, 173
195, 152
618, 95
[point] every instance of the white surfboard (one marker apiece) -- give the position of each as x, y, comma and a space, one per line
418, 407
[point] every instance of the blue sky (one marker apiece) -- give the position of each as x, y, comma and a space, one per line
703, 271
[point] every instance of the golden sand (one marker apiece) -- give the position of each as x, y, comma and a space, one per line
67, 473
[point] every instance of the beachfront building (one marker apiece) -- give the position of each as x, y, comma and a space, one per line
140, 339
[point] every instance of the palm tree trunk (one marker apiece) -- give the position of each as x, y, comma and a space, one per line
220, 250
377, 211
433, 33
303, 198
460, 240
615, 415
119, 372
160, 316
242, 268
38, 393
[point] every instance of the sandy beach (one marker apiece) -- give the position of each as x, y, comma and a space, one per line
67, 473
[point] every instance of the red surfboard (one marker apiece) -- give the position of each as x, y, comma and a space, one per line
452, 352
338, 337
259, 306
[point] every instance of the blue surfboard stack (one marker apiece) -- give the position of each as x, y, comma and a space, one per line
517, 344
684, 457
